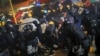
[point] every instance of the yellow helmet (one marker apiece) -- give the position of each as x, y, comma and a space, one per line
29, 14
51, 23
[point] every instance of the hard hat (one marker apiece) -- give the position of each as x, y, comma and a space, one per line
54, 10
29, 14
68, 6
49, 11
51, 23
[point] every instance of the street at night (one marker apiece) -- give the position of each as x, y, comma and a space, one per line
50, 28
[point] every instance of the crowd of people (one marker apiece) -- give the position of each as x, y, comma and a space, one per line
51, 27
